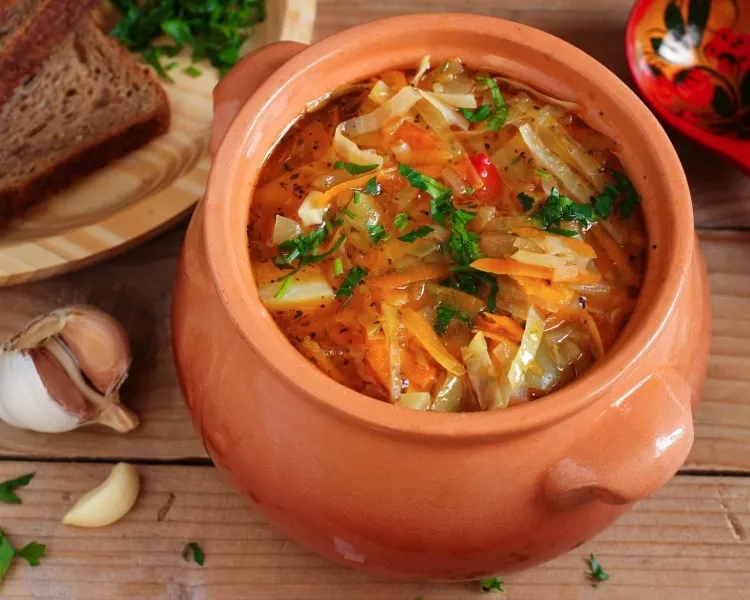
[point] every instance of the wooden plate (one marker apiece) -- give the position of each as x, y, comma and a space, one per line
145, 192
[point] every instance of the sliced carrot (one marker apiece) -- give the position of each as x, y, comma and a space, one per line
615, 253
551, 298
407, 276
585, 278
422, 331
331, 193
493, 335
513, 330
417, 137
508, 266
420, 373
377, 357
577, 246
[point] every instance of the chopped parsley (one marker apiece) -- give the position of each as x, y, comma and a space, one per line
469, 190
196, 551
445, 314
356, 196
603, 204
491, 584
515, 160
348, 213
472, 281
377, 233
193, 71
463, 245
558, 209
401, 221
477, 115
355, 276
500, 113
631, 197
6, 488
32, 553
422, 182
542, 173
596, 569
414, 234
441, 208
286, 283
527, 202
338, 267
353, 168
214, 30
372, 187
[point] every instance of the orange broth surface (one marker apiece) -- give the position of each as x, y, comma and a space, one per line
444, 239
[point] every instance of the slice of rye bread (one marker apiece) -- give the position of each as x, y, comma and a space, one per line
30, 30
89, 103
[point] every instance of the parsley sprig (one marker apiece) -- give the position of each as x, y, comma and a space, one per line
6, 488
491, 584
355, 169
495, 114
214, 29
192, 548
444, 316
355, 276
32, 553
596, 569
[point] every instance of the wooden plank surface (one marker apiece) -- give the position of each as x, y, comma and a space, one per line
136, 288
690, 541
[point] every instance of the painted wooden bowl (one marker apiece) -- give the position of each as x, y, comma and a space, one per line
691, 61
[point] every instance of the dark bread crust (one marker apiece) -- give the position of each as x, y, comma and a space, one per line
36, 39
96, 151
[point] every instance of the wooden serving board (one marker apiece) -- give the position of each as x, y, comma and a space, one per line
145, 192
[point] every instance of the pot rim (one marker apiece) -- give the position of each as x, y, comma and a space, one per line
226, 246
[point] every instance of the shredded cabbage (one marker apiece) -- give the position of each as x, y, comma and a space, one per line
393, 337
448, 397
482, 374
457, 100
451, 116
380, 92
539, 259
415, 400
579, 189
352, 153
312, 210
424, 64
397, 106
284, 230
532, 337
566, 104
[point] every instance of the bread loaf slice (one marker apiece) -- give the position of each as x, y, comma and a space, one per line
30, 30
89, 103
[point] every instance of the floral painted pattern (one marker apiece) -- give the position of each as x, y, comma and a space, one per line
696, 62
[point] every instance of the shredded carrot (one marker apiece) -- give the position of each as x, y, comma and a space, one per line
584, 277
577, 246
493, 335
407, 276
422, 331
596, 338
420, 373
552, 298
377, 358
615, 253
316, 354
508, 266
513, 330
328, 195
417, 137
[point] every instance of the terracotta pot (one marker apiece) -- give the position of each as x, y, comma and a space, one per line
434, 495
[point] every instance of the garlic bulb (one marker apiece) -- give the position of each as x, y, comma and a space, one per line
64, 371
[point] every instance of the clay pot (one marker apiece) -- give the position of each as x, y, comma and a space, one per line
434, 495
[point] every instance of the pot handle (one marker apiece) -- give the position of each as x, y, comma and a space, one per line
242, 82
634, 447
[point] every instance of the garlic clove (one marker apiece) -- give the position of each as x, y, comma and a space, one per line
79, 358
24, 401
100, 346
109, 502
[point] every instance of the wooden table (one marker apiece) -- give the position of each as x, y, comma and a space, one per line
689, 541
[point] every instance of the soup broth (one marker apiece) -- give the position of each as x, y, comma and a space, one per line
446, 239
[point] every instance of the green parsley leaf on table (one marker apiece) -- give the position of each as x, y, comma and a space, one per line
444, 315
596, 569
353, 168
500, 114
491, 584
31, 553
414, 234
355, 276
6, 488
196, 551
214, 30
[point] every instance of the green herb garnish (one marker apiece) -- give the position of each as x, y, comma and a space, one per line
286, 283
476, 115
7, 487
463, 245
422, 182
348, 213
338, 267
414, 234
631, 196
500, 114
401, 221
558, 209
356, 196
515, 160
304, 248
214, 30
32, 553
353, 168
491, 584
196, 551
527, 202
445, 314
355, 276
469, 190
372, 187
596, 569
193, 71
561, 231
603, 204
377, 233
542, 173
